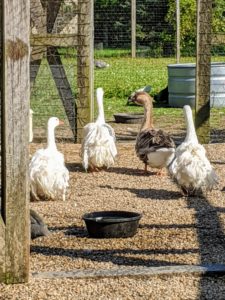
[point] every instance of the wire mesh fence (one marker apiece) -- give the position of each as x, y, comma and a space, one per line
54, 64
217, 117
1, 71
54, 73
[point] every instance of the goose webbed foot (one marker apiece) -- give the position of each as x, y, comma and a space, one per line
93, 169
145, 171
96, 169
161, 172
191, 192
184, 192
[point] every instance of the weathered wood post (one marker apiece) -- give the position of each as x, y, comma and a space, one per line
14, 87
177, 31
203, 70
133, 28
85, 103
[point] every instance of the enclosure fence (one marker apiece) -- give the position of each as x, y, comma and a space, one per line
124, 29
61, 76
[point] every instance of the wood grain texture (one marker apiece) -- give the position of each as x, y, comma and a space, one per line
54, 40
85, 106
60, 78
203, 68
38, 16
2, 250
15, 101
133, 28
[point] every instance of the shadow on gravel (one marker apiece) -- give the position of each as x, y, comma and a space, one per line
157, 194
74, 167
77, 231
167, 226
124, 257
211, 240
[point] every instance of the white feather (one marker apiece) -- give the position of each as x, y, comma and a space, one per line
161, 157
191, 168
49, 178
98, 146
31, 125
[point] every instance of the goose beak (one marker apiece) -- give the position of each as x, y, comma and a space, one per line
61, 122
131, 99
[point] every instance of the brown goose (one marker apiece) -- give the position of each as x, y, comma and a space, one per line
154, 147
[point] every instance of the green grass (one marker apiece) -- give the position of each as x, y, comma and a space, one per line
125, 75
119, 80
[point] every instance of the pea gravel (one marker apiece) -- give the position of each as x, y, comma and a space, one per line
173, 231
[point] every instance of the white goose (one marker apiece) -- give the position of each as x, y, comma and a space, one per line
98, 147
49, 178
191, 169
31, 126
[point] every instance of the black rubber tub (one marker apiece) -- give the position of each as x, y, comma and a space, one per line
129, 118
112, 224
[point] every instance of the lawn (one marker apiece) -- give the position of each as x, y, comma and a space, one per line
119, 80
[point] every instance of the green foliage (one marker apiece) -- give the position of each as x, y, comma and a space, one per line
218, 16
113, 25
188, 22
119, 80
124, 76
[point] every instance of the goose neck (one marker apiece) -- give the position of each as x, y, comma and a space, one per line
191, 133
148, 120
51, 138
101, 115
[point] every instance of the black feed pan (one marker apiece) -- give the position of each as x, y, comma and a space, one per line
112, 224
129, 118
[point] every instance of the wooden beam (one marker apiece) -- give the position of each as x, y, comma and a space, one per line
15, 113
38, 16
177, 31
218, 39
85, 60
133, 28
2, 224
2, 250
63, 87
203, 70
53, 8
53, 40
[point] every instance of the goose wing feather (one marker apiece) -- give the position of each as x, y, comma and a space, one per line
48, 175
191, 168
151, 140
98, 147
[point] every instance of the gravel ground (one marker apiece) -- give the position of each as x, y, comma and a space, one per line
184, 287
173, 231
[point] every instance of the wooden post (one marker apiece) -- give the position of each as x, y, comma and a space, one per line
85, 103
2, 224
133, 28
203, 68
15, 87
178, 31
